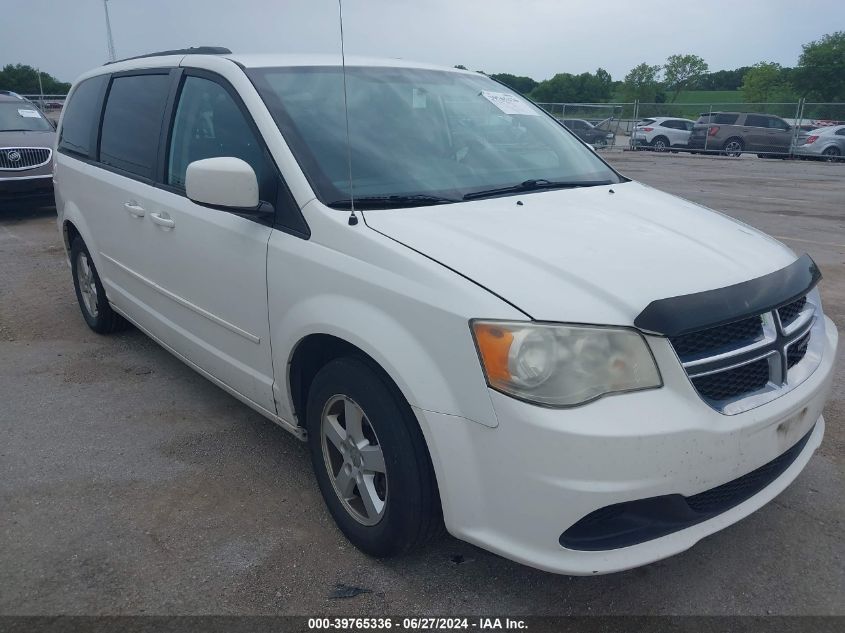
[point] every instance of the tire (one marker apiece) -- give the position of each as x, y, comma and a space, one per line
90, 292
404, 509
660, 144
600, 143
733, 146
831, 154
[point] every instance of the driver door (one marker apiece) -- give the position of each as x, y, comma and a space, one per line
207, 265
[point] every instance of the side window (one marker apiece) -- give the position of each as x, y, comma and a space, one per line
840, 132
671, 124
132, 123
756, 120
209, 124
81, 118
725, 118
778, 124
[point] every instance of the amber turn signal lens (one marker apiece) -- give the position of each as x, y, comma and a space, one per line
494, 344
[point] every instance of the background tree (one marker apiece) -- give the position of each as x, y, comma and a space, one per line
460, 67
682, 72
568, 88
24, 80
642, 83
766, 82
724, 79
523, 85
821, 69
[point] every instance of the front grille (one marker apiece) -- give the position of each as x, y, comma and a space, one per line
741, 364
790, 311
24, 157
733, 334
796, 352
732, 383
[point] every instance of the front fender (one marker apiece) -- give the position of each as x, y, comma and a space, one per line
451, 388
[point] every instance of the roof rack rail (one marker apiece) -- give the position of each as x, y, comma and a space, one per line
193, 50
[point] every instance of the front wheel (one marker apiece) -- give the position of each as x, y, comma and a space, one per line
370, 459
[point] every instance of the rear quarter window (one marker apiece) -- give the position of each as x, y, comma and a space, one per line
81, 117
132, 123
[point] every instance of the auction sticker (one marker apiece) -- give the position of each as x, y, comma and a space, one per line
509, 103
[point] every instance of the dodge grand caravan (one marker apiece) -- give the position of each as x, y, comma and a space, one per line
472, 319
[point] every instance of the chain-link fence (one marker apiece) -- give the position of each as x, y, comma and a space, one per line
767, 130
598, 124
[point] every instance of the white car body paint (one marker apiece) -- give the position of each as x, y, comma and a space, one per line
234, 298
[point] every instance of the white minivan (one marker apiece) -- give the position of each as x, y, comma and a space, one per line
472, 319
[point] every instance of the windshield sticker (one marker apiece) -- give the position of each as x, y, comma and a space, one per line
509, 103
420, 99
29, 114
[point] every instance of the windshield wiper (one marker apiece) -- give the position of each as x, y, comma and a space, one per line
534, 185
391, 202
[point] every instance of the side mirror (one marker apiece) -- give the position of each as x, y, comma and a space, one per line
225, 182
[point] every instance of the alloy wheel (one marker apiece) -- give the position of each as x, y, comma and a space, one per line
87, 284
354, 460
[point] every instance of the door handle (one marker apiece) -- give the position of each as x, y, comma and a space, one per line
133, 209
162, 220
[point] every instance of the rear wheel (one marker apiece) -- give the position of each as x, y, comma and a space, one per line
660, 144
600, 143
90, 293
831, 154
370, 459
733, 146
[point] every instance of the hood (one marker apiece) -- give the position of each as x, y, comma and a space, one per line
45, 138
586, 255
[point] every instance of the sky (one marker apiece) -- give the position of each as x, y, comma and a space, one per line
537, 38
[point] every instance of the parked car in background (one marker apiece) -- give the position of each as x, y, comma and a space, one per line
26, 149
827, 143
597, 135
662, 133
733, 133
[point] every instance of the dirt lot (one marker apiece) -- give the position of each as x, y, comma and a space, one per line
129, 484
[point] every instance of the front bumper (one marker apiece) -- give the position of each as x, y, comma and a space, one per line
27, 186
515, 489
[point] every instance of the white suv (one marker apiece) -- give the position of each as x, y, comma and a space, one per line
471, 318
662, 133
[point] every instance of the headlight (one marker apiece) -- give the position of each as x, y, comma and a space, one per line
563, 365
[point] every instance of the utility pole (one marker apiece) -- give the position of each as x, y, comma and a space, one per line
112, 55
40, 87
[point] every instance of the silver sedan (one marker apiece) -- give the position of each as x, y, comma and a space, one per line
827, 143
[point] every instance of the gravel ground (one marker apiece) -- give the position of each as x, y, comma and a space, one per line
131, 485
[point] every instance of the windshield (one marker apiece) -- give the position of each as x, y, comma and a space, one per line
419, 133
22, 117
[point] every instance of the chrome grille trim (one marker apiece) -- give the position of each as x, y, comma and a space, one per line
774, 347
29, 158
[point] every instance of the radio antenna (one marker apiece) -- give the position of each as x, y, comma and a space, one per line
353, 219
